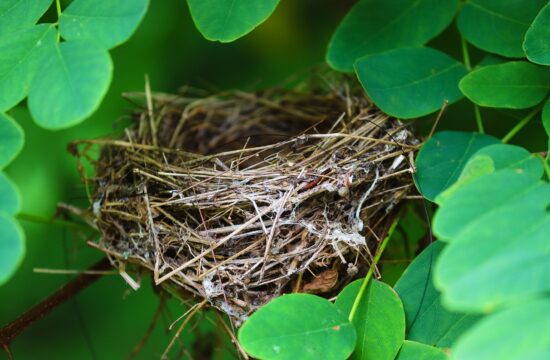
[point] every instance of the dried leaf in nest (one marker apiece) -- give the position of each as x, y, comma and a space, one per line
322, 283
233, 197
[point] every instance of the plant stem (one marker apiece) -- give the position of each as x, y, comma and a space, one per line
58, 8
468, 64
465, 54
520, 125
371, 269
53, 221
479, 121
546, 165
66, 292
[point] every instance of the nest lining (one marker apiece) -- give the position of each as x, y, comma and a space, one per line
239, 197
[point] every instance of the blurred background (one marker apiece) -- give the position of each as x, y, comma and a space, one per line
108, 319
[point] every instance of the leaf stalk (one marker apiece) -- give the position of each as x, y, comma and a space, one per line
468, 64
520, 125
375, 261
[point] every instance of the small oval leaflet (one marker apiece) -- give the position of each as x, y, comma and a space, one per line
442, 158
410, 82
493, 158
12, 246
428, 321
22, 52
374, 26
70, 84
19, 14
536, 45
527, 325
226, 21
108, 22
512, 85
12, 139
498, 26
412, 350
10, 199
298, 326
379, 321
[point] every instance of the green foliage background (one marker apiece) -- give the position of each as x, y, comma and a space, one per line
168, 48
171, 51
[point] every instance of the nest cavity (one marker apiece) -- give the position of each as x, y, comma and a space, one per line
239, 197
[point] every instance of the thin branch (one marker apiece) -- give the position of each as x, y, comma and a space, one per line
9, 332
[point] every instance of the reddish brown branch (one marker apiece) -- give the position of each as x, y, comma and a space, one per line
67, 291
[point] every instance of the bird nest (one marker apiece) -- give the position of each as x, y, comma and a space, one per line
239, 197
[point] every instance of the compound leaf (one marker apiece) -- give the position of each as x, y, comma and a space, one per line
21, 53
108, 22
12, 246
498, 26
441, 159
379, 320
374, 26
18, 14
536, 45
298, 326
498, 252
410, 82
228, 20
513, 85
70, 84
12, 139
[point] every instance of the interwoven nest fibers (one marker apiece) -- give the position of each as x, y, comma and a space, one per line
239, 197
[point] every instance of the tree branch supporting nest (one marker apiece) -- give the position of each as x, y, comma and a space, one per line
9, 332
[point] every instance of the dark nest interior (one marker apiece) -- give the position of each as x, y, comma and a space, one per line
238, 197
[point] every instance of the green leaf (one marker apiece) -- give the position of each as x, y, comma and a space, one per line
70, 84
228, 20
536, 44
498, 26
10, 199
298, 326
21, 53
501, 266
374, 26
442, 158
522, 332
108, 22
478, 199
495, 158
12, 246
18, 14
498, 253
413, 350
513, 85
410, 82
428, 321
379, 321
12, 139
404, 243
